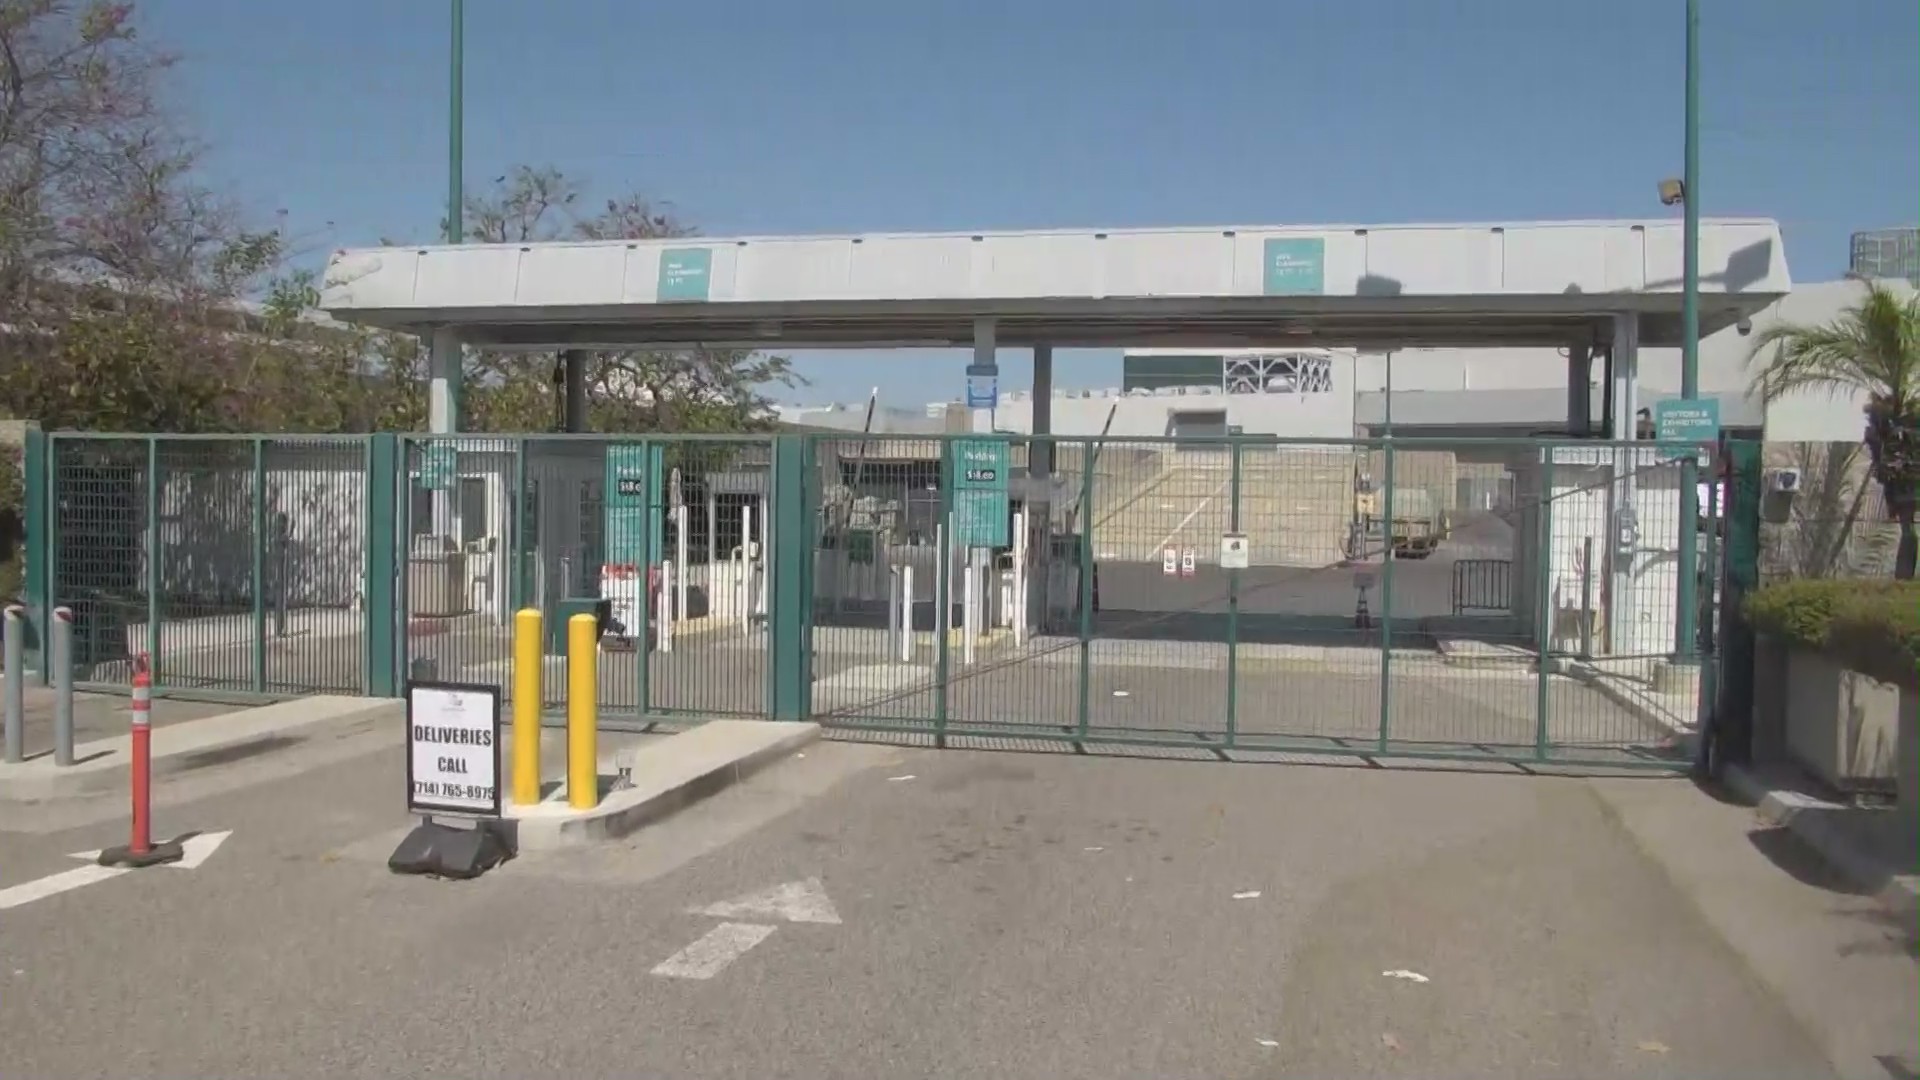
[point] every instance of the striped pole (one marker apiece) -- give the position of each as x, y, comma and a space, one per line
140, 849
141, 842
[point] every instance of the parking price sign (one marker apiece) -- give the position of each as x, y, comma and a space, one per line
981, 506
453, 749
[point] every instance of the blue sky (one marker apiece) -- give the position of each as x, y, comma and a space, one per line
769, 116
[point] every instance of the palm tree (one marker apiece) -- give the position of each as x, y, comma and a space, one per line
1873, 348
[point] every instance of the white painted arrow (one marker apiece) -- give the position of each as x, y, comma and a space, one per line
194, 851
794, 901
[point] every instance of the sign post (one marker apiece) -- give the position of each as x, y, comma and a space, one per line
983, 386
453, 770
1233, 551
628, 494
1693, 420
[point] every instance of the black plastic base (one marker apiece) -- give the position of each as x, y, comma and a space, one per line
153, 856
443, 851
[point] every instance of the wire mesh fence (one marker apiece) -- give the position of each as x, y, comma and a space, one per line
235, 564
1475, 599
660, 540
1503, 600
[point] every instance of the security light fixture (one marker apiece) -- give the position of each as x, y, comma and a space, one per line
1672, 192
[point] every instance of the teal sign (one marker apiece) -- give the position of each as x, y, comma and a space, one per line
980, 506
625, 498
1689, 420
1294, 266
439, 467
685, 274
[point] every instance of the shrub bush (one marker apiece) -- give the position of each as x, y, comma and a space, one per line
1878, 633
1870, 626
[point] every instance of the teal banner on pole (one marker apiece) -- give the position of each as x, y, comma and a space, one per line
1693, 420
626, 497
439, 467
980, 506
686, 274
1294, 266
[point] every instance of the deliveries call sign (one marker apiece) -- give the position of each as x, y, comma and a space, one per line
453, 749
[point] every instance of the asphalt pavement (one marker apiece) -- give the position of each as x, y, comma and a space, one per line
874, 910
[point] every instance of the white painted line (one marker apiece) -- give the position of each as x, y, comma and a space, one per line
795, 901
713, 951
1403, 973
55, 884
1252, 894
1191, 514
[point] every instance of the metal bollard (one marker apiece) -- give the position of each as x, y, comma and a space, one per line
60, 658
906, 613
528, 660
663, 608
583, 689
893, 610
16, 683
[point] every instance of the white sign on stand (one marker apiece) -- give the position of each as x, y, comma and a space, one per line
620, 587
1186, 563
453, 749
1169, 562
1233, 551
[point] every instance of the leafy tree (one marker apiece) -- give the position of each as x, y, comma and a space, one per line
628, 390
118, 269
1872, 348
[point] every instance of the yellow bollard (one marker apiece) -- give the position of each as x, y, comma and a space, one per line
583, 689
528, 660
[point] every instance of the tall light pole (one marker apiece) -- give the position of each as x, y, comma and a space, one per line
456, 123
444, 354
1684, 619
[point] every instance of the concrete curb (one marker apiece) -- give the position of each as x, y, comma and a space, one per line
668, 775
101, 766
1898, 894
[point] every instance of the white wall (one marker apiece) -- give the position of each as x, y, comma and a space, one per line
1323, 415
1724, 368
1818, 416
207, 529
1581, 509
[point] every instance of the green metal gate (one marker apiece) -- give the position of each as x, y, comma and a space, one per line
1239, 597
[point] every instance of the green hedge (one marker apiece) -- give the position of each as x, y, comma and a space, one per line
1871, 626
13, 499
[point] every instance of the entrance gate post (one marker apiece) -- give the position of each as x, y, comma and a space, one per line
788, 625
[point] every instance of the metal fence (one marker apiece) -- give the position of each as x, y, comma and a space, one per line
1477, 599
1241, 595
235, 563
662, 540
